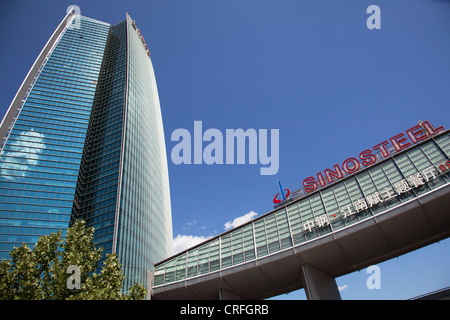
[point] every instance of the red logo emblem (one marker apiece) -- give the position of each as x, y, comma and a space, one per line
286, 191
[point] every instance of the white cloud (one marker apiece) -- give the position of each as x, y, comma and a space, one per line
188, 225
240, 220
183, 242
27, 147
342, 288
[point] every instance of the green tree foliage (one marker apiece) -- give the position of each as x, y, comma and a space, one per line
41, 272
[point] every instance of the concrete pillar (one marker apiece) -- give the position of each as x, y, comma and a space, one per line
318, 284
150, 279
228, 295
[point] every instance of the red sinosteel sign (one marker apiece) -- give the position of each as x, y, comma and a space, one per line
397, 143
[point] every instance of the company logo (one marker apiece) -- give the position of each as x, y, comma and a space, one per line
286, 193
422, 131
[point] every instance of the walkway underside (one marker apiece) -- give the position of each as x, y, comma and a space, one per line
391, 234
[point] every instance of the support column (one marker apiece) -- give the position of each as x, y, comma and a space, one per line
318, 284
150, 279
228, 295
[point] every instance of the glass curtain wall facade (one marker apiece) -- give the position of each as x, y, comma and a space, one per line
144, 221
97, 186
123, 189
367, 194
84, 139
43, 142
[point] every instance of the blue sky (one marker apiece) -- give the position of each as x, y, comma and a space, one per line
311, 69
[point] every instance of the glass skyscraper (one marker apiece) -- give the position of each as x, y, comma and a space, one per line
83, 138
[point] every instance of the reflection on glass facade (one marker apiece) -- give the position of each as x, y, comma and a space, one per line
85, 139
41, 153
369, 193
